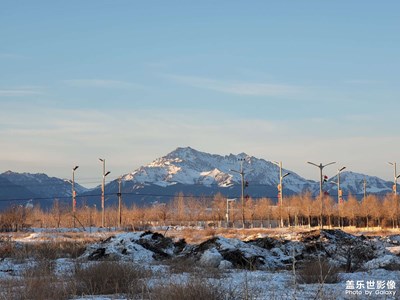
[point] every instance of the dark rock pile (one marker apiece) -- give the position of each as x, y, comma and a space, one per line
349, 252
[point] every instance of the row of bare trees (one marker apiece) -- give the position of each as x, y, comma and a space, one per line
299, 210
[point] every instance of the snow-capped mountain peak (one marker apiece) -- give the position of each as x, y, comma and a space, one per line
190, 166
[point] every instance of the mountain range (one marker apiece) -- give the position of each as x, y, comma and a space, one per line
184, 170
23, 188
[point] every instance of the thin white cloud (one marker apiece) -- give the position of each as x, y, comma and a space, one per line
101, 83
58, 138
237, 87
21, 91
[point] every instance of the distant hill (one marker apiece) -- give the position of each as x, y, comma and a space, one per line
202, 174
35, 188
189, 171
13, 194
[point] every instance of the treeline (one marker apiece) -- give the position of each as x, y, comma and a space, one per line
299, 210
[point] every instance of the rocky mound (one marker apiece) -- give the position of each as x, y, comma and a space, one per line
343, 250
136, 246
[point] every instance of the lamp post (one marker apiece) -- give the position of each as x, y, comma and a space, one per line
227, 210
365, 188
241, 172
395, 177
280, 189
395, 192
321, 166
102, 189
340, 195
119, 203
73, 194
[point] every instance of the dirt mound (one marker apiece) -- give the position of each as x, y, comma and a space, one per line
345, 250
239, 254
136, 246
342, 249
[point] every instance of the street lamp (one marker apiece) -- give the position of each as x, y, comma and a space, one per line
364, 182
119, 202
73, 194
102, 190
321, 166
395, 192
395, 178
280, 189
241, 172
227, 210
340, 194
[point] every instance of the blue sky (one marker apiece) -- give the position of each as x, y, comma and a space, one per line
132, 80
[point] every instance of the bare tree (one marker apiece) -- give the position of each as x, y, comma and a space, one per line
329, 205
264, 210
388, 211
351, 210
59, 211
368, 208
219, 207
307, 207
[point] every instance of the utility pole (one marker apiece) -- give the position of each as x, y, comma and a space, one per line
102, 190
241, 172
119, 203
73, 194
227, 210
395, 178
395, 192
365, 189
339, 196
321, 166
280, 189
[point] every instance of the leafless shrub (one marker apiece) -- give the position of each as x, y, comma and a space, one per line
6, 247
180, 265
107, 277
43, 250
41, 268
317, 271
195, 288
37, 282
14, 219
188, 265
355, 253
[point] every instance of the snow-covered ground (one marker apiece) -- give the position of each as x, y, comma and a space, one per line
260, 267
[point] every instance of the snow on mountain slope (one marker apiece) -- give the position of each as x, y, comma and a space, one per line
353, 183
192, 172
192, 167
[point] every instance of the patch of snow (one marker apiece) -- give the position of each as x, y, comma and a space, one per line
122, 246
225, 265
211, 258
382, 262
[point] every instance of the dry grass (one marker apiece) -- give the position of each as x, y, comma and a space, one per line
195, 288
191, 266
37, 282
196, 236
42, 250
107, 277
103, 278
317, 271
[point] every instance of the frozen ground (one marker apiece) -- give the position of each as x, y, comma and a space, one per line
261, 266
